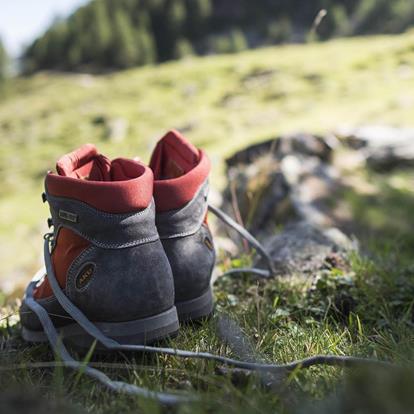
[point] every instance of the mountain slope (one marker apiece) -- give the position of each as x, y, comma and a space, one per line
222, 103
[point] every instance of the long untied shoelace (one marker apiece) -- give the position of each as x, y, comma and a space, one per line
165, 398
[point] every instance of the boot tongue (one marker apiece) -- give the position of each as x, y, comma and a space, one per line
85, 164
173, 157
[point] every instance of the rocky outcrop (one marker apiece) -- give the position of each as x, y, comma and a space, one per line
288, 191
383, 147
304, 248
280, 147
286, 178
283, 190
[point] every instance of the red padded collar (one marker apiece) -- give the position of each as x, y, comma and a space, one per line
179, 171
118, 186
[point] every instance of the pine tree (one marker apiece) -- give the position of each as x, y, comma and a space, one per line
55, 40
4, 61
279, 31
78, 52
42, 52
37, 55
73, 58
124, 48
145, 40
204, 8
219, 44
237, 40
177, 14
341, 23
99, 33
146, 47
183, 48
174, 16
199, 12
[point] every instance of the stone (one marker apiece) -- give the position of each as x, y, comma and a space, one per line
280, 147
304, 248
257, 194
117, 129
114, 129
289, 180
263, 177
312, 184
383, 147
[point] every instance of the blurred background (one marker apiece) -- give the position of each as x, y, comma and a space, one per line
227, 73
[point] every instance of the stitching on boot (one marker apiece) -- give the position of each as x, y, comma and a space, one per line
162, 219
102, 245
188, 233
203, 189
113, 216
48, 300
132, 226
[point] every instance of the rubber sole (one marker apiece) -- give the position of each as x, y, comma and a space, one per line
197, 308
139, 332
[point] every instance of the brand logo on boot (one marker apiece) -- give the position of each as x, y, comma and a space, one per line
68, 216
208, 243
84, 276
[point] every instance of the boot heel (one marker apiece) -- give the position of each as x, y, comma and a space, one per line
197, 308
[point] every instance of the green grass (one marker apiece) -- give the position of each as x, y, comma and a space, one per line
225, 103
286, 319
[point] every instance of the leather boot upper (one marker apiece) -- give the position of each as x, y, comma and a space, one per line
106, 251
180, 191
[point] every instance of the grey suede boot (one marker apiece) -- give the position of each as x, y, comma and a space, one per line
180, 192
106, 254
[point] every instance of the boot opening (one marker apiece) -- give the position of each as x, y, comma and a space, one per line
86, 163
118, 186
173, 157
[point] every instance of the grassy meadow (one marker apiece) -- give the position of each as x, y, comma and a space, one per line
223, 103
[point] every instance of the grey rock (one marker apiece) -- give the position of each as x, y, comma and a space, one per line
290, 180
312, 183
302, 247
257, 194
113, 129
117, 129
383, 147
268, 191
262, 176
279, 147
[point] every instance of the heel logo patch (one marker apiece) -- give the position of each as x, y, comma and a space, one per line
208, 243
68, 216
84, 276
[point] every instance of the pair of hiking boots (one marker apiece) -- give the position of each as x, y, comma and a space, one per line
130, 256
130, 249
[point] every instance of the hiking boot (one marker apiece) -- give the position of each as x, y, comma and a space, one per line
106, 254
180, 192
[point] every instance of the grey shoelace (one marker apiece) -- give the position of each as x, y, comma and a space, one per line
109, 343
251, 240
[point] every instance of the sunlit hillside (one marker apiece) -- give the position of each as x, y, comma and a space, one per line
221, 103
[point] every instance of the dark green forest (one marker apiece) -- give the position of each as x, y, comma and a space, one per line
3, 62
111, 34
